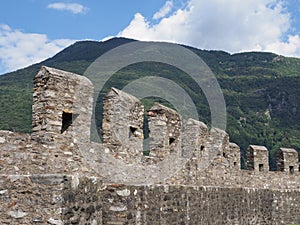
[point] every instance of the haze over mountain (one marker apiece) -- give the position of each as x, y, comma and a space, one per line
261, 91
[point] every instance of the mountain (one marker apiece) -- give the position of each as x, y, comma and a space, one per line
261, 91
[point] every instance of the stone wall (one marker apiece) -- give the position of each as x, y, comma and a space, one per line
164, 204
192, 175
164, 131
286, 159
257, 158
62, 107
123, 117
61, 199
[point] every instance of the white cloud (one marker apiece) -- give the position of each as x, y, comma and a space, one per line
164, 10
18, 49
291, 47
72, 7
232, 26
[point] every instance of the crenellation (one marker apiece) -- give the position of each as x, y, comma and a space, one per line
193, 147
287, 160
194, 138
55, 112
122, 129
257, 158
57, 175
62, 112
164, 131
234, 156
217, 148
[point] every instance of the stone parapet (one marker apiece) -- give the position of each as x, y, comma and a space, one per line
62, 107
287, 160
57, 175
62, 199
257, 158
122, 125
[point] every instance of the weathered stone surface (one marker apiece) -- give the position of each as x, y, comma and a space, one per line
287, 160
165, 131
257, 158
2, 140
62, 104
234, 155
122, 129
55, 221
48, 179
17, 214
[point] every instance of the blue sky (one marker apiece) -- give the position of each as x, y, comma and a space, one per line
33, 30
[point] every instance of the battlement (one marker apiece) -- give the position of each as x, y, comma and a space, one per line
287, 160
257, 158
62, 106
181, 153
62, 117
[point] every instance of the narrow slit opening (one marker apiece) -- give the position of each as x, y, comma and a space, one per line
66, 121
132, 130
261, 167
291, 170
171, 140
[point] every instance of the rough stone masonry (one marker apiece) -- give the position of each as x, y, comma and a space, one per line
192, 175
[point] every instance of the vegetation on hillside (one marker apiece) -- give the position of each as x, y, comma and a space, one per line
261, 91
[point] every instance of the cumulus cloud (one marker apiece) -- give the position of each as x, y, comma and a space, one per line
234, 26
291, 47
72, 7
18, 49
164, 10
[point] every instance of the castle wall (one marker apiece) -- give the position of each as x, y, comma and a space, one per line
164, 131
123, 117
61, 199
193, 147
286, 160
19, 155
234, 156
61, 120
162, 204
257, 158
62, 107
192, 176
